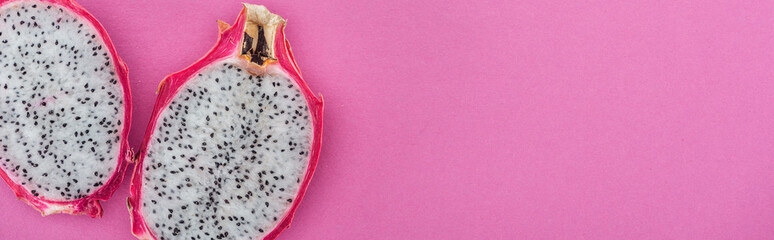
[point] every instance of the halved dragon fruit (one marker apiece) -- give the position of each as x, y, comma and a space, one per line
65, 107
232, 142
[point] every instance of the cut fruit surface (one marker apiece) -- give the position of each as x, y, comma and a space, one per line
233, 140
65, 107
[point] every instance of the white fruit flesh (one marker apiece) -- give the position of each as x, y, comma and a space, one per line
61, 103
227, 156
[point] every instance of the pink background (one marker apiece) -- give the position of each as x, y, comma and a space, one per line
496, 119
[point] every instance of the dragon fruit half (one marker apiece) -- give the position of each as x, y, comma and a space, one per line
65, 107
232, 142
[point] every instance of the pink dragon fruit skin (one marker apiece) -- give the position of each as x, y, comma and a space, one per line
227, 48
89, 204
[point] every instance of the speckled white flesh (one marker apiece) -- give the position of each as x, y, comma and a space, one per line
227, 157
61, 104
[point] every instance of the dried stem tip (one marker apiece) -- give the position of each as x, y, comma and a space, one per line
259, 34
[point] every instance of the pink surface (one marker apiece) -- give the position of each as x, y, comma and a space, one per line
495, 119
